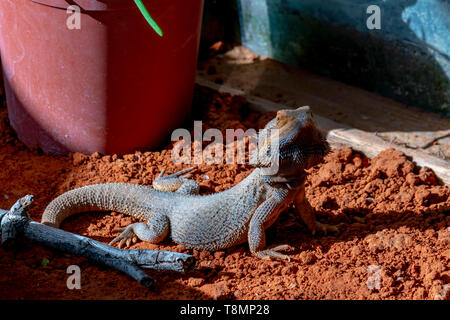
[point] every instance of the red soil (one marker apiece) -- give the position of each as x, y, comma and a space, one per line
393, 244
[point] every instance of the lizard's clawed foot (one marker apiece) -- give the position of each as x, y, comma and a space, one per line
273, 253
126, 237
327, 227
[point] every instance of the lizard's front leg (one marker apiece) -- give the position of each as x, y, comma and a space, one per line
263, 216
306, 213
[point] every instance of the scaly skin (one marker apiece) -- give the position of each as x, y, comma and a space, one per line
219, 220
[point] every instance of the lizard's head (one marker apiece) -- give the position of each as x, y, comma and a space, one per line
301, 144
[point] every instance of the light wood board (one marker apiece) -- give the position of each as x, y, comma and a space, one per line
340, 134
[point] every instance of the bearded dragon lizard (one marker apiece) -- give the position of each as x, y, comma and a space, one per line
220, 220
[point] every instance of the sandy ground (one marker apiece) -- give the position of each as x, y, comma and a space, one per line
393, 244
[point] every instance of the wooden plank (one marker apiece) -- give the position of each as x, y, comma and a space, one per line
339, 134
241, 69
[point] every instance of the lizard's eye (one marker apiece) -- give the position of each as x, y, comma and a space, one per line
281, 114
283, 119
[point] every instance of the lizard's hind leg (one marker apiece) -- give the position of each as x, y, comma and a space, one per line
177, 181
154, 231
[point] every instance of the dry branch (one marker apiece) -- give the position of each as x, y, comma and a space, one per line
16, 222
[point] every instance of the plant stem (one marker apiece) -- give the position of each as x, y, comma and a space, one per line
148, 17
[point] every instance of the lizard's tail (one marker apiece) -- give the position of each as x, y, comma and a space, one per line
121, 197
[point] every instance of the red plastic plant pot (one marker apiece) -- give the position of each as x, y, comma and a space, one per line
112, 86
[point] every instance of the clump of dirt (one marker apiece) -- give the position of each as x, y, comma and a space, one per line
348, 184
393, 216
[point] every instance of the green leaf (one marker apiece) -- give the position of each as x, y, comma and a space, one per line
148, 17
45, 262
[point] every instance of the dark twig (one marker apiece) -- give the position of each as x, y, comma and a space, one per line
16, 222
